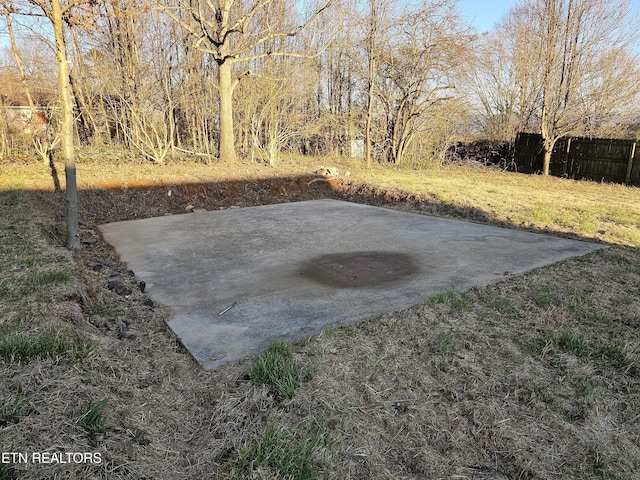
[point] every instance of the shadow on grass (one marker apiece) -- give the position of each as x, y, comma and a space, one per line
144, 199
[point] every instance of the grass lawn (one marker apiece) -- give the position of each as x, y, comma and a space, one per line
534, 377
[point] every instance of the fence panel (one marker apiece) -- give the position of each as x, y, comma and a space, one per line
528, 153
595, 159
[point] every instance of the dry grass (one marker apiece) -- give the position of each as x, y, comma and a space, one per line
535, 377
605, 212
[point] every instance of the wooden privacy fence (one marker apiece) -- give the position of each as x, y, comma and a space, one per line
598, 159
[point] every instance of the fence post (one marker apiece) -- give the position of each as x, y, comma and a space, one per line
630, 163
566, 157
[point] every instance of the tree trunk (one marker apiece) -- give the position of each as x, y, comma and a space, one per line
66, 100
546, 159
547, 142
371, 79
227, 151
367, 132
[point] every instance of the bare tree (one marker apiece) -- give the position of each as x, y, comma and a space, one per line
232, 32
58, 13
576, 44
338, 76
273, 106
421, 51
610, 98
372, 57
503, 78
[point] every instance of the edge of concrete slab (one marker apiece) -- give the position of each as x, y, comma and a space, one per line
277, 301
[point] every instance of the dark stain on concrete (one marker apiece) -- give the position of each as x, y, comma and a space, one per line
359, 269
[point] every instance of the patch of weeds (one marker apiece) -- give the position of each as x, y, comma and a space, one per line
442, 364
543, 394
20, 347
278, 369
502, 304
8, 472
581, 404
572, 342
618, 354
380, 368
595, 462
586, 387
567, 341
51, 277
545, 343
4, 288
12, 410
635, 270
140, 437
92, 420
443, 345
578, 411
342, 330
533, 391
544, 296
575, 343
281, 453
103, 310
575, 298
452, 297
30, 261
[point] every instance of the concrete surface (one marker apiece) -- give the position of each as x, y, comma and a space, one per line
238, 279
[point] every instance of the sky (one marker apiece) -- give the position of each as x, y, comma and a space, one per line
483, 14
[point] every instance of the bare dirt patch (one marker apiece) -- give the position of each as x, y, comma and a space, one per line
534, 377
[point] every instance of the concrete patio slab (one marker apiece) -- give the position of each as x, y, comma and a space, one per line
238, 279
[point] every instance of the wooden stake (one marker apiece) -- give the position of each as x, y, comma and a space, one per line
630, 163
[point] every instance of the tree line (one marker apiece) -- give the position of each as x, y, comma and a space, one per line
388, 80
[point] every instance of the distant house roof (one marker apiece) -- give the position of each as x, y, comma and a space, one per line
22, 113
